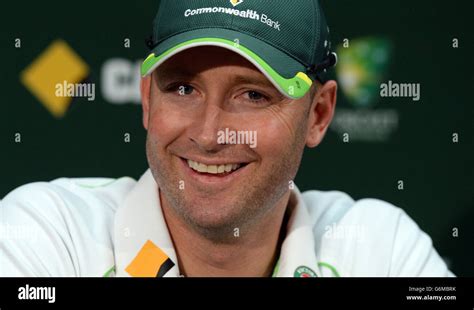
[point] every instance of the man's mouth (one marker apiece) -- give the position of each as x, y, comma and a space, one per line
212, 169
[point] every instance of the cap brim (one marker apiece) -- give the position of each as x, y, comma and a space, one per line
283, 71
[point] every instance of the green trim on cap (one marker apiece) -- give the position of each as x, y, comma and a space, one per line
294, 88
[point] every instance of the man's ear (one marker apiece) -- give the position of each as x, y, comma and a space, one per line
321, 113
145, 89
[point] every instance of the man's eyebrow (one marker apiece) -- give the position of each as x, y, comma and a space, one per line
172, 74
182, 74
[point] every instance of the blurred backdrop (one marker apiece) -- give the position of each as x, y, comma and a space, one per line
417, 155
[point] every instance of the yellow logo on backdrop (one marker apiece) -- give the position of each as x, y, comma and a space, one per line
236, 2
58, 63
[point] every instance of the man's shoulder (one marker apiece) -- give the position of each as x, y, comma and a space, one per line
66, 202
370, 237
335, 206
336, 215
78, 194
67, 224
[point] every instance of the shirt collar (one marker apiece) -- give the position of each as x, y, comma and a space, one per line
143, 246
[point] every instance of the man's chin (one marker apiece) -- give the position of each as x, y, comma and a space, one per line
213, 213
211, 204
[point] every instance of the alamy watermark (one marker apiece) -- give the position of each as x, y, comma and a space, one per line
227, 136
28, 292
76, 90
356, 233
18, 232
407, 90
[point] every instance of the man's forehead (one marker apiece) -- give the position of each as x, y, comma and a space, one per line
237, 69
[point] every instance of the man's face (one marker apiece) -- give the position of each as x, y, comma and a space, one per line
193, 96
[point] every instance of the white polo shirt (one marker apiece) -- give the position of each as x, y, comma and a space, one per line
115, 227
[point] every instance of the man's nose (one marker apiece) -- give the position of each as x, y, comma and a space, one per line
207, 123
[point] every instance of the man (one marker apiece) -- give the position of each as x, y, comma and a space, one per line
232, 93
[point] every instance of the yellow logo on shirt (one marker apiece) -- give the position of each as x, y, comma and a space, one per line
150, 261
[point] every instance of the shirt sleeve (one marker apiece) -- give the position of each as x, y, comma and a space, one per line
413, 252
34, 239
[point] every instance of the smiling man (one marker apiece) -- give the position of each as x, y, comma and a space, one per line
213, 207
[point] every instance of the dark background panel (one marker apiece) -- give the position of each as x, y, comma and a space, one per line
89, 140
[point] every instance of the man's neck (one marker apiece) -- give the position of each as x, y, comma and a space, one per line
254, 252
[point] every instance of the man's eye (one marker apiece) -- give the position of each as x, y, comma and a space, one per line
255, 96
184, 90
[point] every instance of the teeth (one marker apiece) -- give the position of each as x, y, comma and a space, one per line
212, 169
